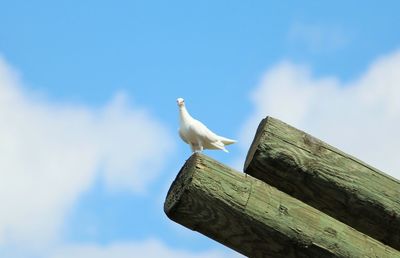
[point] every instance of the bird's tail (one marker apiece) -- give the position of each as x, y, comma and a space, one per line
226, 141
219, 145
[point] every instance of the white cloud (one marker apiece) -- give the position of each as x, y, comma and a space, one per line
318, 38
50, 153
361, 117
148, 249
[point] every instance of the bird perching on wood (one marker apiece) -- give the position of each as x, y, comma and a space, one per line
196, 134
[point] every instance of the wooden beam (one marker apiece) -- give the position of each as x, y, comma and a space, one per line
258, 220
327, 179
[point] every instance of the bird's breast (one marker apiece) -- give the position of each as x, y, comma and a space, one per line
189, 134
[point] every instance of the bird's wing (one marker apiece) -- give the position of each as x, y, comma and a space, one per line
202, 131
182, 137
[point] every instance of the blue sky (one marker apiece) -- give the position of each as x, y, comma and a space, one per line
89, 118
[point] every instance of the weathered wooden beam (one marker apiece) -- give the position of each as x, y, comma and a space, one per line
327, 179
258, 220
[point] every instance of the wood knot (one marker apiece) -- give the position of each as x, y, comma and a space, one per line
307, 139
313, 144
283, 210
331, 231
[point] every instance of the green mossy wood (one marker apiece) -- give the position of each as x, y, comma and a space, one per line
258, 220
327, 179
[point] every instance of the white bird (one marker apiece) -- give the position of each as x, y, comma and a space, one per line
196, 134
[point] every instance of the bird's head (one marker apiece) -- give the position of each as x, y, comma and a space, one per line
181, 102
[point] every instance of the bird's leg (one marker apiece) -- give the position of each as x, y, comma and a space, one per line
196, 148
200, 147
192, 148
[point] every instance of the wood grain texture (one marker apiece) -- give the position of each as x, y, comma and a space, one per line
258, 220
327, 179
